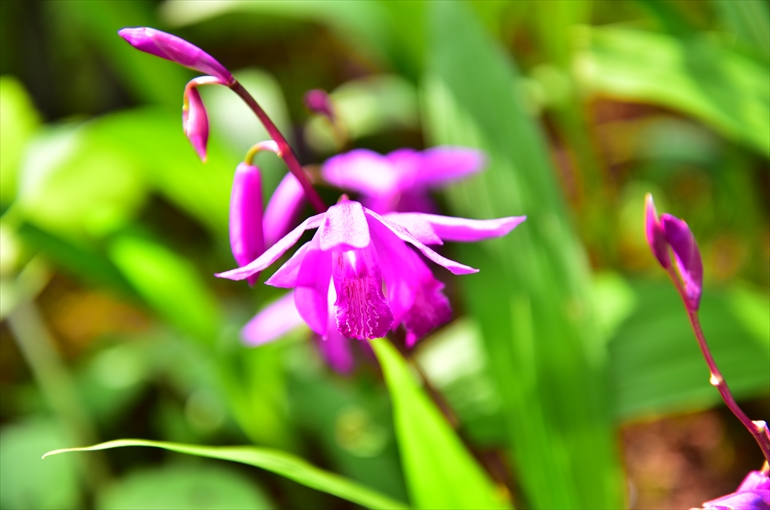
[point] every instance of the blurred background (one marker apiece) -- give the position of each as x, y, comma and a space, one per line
569, 365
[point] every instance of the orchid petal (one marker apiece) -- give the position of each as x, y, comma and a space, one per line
286, 275
272, 322
335, 348
171, 47
344, 227
312, 292
246, 239
363, 171
283, 208
398, 270
195, 121
687, 257
450, 228
656, 238
274, 252
752, 494
404, 235
441, 165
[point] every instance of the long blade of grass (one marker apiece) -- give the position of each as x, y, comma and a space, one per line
281, 463
530, 298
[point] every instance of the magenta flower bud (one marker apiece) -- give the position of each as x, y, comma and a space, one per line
753, 494
246, 239
177, 50
656, 238
686, 256
318, 101
195, 122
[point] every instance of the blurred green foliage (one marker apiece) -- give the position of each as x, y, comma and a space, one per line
111, 230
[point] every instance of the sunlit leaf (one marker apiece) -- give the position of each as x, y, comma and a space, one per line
531, 298
727, 91
169, 284
439, 471
18, 120
278, 462
74, 182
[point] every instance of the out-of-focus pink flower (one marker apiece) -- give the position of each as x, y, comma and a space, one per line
195, 122
356, 250
752, 494
669, 231
318, 101
171, 47
400, 181
246, 238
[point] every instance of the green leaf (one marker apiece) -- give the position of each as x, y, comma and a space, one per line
182, 487
532, 297
440, 473
76, 183
153, 140
18, 120
77, 258
169, 284
278, 462
727, 91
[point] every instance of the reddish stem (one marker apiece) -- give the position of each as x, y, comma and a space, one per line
758, 429
286, 151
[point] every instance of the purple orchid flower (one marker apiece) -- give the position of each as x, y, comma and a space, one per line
752, 494
338, 276
669, 231
400, 181
171, 47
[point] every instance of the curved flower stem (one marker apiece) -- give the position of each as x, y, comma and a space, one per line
758, 428
286, 151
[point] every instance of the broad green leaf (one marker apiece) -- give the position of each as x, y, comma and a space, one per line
18, 120
26, 483
531, 298
182, 487
169, 284
748, 21
727, 91
655, 361
439, 471
278, 462
153, 140
77, 258
76, 183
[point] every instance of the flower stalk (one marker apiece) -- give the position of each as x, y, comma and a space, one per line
757, 428
667, 235
285, 150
